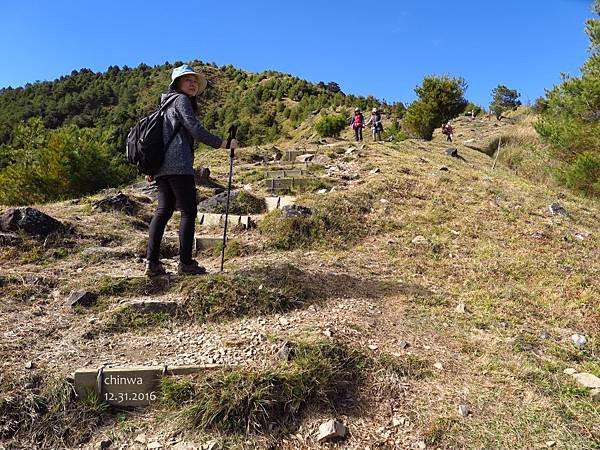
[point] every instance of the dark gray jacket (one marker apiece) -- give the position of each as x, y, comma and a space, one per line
179, 157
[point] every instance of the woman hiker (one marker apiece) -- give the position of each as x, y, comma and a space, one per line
175, 178
448, 131
376, 124
357, 123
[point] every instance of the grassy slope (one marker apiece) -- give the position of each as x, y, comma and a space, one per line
490, 244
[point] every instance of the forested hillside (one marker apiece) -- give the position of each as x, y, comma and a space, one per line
55, 134
263, 103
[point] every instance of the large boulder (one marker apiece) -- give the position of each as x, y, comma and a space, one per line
119, 202
289, 211
30, 221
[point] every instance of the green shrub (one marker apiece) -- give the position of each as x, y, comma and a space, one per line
56, 164
330, 125
570, 121
272, 400
242, 203
394, 132
504, 99
338, 221
256, 291
473, 107
441, 98
583, 174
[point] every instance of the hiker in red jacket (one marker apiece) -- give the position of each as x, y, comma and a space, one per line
357, 123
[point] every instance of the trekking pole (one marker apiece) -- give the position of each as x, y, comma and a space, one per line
232, 133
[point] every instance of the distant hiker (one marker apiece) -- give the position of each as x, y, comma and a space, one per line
175, 177
376, 124
357, 123
448, 131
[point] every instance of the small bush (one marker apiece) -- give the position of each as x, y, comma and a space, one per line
339, 222
256, 291
127, 318
330, 126
583, 174
242, 203
41, 412
243, 401
394, 132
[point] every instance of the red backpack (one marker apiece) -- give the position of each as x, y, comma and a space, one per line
358, 120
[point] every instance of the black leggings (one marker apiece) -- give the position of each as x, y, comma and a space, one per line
174, 191
358, 133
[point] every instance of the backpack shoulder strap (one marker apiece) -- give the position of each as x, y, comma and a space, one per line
177, 128
168, 101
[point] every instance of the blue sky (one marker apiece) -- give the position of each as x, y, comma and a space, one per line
383, 48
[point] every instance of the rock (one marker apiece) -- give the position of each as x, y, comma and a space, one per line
452, 152
444, 169
328, 332
569, 371
544, 335
104, 444
29, 365
9, 240
374, 171
295, 211
29, 220
283, 321
305, 158
119, 202
82, 298
403, 344
421, 445
398, 421
202, 176
463, 410
419, 240
373, 347
595, 395
216, 203
557, 209
579, 340
276, 153
551, 444
154, 445
285, 352
322, 191
331, 430
321, 160
461, 308
587, 380
153, 306
438, 366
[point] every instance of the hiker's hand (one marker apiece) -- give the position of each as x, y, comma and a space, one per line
149, 178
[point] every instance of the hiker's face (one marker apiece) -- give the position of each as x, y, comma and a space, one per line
188, 84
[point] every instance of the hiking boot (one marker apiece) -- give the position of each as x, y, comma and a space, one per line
190, 269
154, 269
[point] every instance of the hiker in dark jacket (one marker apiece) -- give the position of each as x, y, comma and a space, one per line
356, 123
448, 131
376, 124
175, 178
